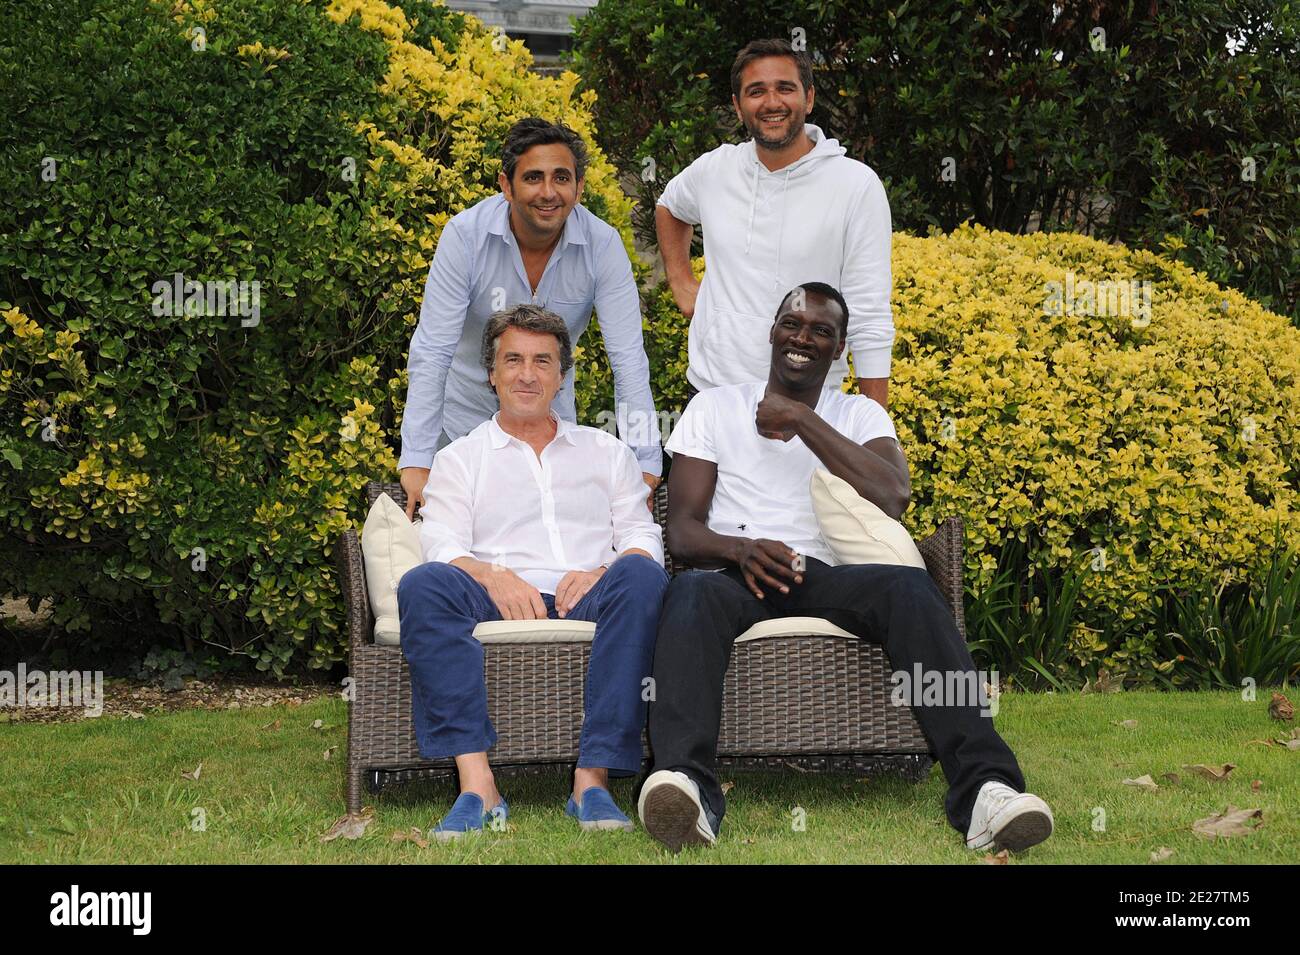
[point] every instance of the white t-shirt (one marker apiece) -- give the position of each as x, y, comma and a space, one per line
763, 483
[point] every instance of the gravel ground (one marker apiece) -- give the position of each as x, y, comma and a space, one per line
129, 699
133, 699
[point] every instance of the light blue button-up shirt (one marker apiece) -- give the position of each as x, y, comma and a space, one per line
477, 270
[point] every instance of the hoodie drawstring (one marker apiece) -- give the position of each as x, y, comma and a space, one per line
753, 201
776, 276
753, 204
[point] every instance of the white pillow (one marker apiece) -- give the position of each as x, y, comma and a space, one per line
856, 531
390, 546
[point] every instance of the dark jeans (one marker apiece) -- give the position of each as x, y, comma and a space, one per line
439, 606
900, 608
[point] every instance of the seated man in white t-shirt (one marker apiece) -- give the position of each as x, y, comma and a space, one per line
739, 501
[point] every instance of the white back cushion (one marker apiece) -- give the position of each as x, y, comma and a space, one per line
857, 531
390, 546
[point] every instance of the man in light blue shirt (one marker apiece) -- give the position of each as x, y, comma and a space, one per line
531, 244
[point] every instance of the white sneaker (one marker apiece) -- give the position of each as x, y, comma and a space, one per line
1005, 819
671, 811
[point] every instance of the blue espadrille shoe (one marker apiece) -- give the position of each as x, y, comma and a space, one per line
597, 811
467, 816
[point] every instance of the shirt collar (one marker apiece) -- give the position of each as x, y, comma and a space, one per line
499, 224
499, 438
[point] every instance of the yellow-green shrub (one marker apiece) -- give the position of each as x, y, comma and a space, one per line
200, 471
1169, 440
1151, 454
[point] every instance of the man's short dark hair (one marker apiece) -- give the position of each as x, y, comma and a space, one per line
826, 291
531, 318
535, 131
758, 49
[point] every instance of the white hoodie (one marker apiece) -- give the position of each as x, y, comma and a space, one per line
823, 218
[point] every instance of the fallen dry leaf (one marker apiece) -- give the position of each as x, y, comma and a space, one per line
411, 835
1257, 785
351, 826
1209, 772
317, 724
727, 787
1143, 782
273, 725
1128, 724
1000, 859
1280, 708
194, 775
1161, 854
1230, 822
1105, 683
134, 715
1172, 779
330, 752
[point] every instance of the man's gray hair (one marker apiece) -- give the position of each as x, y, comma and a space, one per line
531, 318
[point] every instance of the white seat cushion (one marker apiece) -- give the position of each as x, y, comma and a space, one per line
793, 627
390, 546
856, 531
535, 631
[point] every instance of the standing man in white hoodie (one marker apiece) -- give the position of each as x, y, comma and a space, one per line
785, 207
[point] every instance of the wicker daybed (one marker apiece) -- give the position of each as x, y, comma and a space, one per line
794, 699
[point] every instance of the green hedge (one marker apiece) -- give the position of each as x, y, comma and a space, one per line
179, 479
1151, 116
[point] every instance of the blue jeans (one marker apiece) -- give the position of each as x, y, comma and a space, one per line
439, 605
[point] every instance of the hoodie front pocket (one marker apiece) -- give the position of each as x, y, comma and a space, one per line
736, 345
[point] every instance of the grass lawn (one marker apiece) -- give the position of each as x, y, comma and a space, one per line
110, 790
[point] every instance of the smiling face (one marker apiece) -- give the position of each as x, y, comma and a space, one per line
526, 373
773, 103
806, 337
544, 191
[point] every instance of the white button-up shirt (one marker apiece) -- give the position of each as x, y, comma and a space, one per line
577, 508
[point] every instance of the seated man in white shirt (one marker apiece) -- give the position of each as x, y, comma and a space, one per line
743, 460
528, 517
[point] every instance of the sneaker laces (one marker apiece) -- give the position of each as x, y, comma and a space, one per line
997, 796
